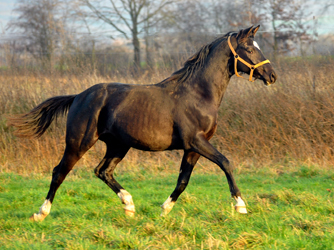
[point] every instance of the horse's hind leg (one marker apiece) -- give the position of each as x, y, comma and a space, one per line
73, 152
105, 171
58, 175
188, 162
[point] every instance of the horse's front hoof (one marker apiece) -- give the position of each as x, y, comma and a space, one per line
167, 206
164, 212
241, 209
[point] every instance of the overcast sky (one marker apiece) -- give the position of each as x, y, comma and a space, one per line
6, 7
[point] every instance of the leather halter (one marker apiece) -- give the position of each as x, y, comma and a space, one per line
237, 57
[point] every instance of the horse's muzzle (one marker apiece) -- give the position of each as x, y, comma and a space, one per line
271, 79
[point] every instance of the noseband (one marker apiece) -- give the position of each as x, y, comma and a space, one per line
252, 67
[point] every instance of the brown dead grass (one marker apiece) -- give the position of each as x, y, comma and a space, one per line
287, 124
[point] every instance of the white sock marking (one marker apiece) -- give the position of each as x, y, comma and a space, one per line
240, 206
240, 202
43, 211
126, 199
167, 206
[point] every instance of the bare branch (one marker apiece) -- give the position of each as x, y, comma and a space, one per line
154, 13
120, 15
102, 17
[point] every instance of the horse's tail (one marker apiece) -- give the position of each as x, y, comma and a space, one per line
36, 122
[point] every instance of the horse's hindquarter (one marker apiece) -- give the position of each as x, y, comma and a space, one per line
143, 119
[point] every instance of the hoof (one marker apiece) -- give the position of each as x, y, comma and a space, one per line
167, 206
164, 212
36, 217
32, 218
43, 212
241, 209
129, 213
166, 209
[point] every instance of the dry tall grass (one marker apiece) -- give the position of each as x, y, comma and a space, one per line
288, 123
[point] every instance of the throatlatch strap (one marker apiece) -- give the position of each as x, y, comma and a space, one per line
237, 57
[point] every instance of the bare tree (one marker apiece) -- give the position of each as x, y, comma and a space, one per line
287, 18
221, 15
40, 24
188, 25
226, 15
130, 18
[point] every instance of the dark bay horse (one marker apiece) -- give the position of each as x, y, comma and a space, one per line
178, 113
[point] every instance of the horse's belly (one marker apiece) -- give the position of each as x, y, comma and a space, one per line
147, 138
146, 132
151, 142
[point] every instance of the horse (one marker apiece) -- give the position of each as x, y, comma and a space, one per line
178, 113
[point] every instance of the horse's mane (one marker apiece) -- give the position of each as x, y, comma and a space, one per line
195, 62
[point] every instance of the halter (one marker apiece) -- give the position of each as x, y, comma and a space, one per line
252, 67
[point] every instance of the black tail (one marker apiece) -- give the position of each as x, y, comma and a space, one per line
36, 122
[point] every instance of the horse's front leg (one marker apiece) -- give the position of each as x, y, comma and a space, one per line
201, 145
188, 162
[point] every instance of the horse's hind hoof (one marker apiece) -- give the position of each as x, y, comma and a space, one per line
37, 217
32, 217
129, 213
241, 209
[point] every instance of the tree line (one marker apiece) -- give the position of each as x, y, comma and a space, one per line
49, 28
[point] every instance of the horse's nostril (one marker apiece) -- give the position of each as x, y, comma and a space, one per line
273, 77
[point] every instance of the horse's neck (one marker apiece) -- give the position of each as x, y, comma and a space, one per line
220, 86
214, 81
209, 83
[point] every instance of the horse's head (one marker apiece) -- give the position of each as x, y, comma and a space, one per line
249, 59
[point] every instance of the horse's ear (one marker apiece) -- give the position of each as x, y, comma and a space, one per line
244, 34
255, 30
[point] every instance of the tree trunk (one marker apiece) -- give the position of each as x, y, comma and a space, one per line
149, 60
136, 49
93, 57
275, 47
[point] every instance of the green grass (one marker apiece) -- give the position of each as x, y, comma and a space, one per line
287, 210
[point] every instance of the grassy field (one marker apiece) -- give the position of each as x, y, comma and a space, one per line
288, 209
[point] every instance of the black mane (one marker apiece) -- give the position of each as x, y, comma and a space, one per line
195, 62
